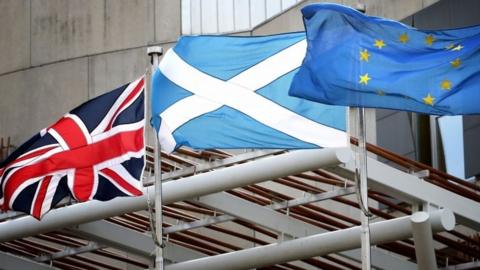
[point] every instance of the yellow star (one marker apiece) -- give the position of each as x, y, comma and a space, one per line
457, 48
364, 79
456, 63
379, 43
364, 55
446, 85
429, 99
450, 46
429, 40
403, 38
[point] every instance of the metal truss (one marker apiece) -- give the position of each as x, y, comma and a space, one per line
201, 187
259, 215
216, 164
318, 245
276, 206
267, 217
190, 187
91, 246
412, 189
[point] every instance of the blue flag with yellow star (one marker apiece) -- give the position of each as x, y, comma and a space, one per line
362, 61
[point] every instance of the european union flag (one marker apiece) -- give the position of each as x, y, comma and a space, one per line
232, 92
356, 60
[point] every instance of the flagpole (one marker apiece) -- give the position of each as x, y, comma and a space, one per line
155, 52
362, 186
361, 176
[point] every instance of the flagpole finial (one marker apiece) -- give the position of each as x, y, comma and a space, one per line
360, 6
154, 52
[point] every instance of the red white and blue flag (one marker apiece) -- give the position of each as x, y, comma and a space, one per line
94, 152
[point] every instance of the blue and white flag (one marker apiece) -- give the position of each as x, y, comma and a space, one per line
232, 92
363, 61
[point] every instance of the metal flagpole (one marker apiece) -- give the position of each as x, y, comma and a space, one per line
155, 52
361, 176
362, 187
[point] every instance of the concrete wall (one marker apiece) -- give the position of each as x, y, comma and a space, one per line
56, 54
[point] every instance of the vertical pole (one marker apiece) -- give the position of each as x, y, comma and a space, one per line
363, 186
361, 177
155, 52
434, 141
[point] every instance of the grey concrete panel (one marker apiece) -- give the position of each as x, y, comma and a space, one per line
408, 21
471, 121
68, 29
393, 9
383, 113
129, 23
465, 13
396, 9
167, 20
435, 17
449, 14
65, 29
394, 133
35, 98
14, 35
109, 71
472, 149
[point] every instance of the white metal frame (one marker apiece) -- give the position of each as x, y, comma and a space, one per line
317, 245
412, 189
219, 180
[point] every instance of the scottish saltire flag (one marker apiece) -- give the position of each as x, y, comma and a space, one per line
96, 151
232, 92
357, 60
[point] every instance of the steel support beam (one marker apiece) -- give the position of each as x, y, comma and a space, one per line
423, 237
316, 245
69, 251
312, 198
276, 206
201, 184
412, 189
265, 216
12, 262
200, 168
257, 214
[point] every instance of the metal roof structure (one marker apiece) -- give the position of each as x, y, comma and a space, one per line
289, 207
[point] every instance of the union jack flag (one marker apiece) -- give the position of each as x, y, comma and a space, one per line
96, 151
